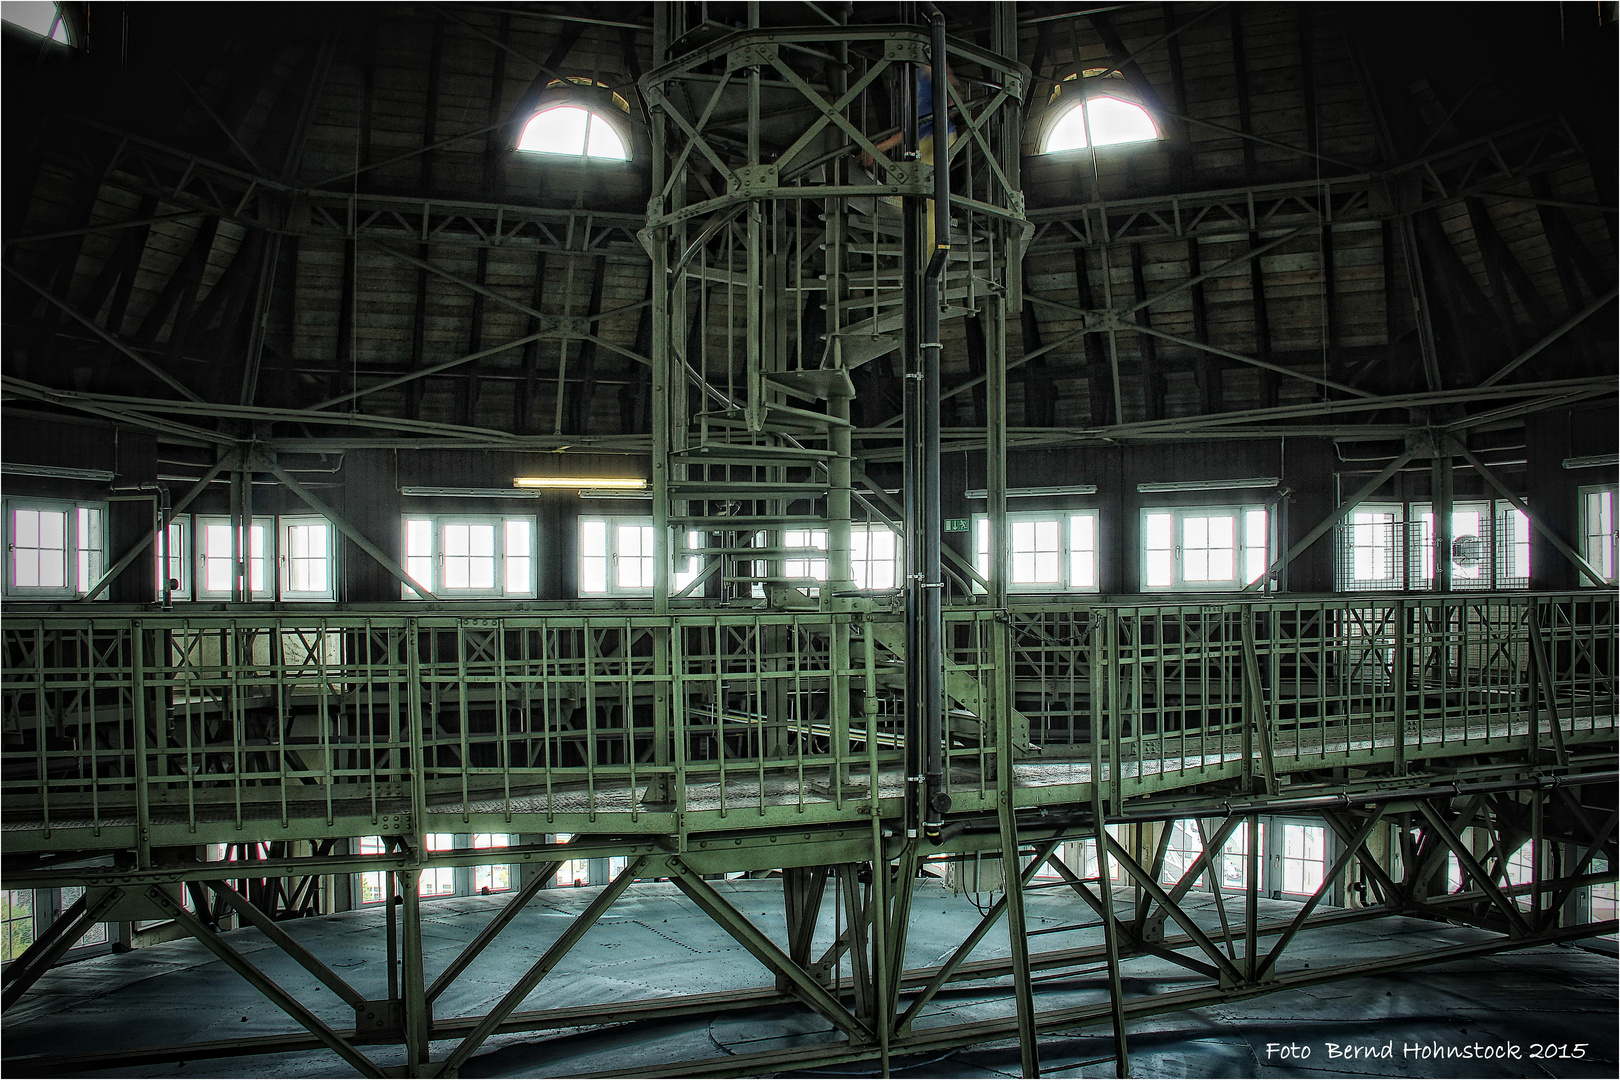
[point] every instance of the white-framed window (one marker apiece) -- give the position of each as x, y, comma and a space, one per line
1600, 532
805, 566
16, 922
1094, 108
307, 559
178, 567
1048, 550
372, 886
799, 560
1186, 845
494, 877
1372, 554
1490, 546
1090, 871
874, 556
69, 895
458, 556
1204, 548
54, 548
1596, 903
617, 557
216, 567
438, 880
1304, 858
578, 117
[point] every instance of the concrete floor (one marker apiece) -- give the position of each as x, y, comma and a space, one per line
655, 942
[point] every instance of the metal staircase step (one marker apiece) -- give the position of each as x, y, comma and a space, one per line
750, 522
812, 385
745, 454
955, 290
743, 489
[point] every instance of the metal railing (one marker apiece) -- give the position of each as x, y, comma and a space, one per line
184, 729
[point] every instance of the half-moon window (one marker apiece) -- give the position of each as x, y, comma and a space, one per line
571, 120
1099, 115
571, 129
42, 18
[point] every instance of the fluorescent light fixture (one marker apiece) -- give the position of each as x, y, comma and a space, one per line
1211, 485
468, 493
1031, 492
1591, 461
554, 483
612, 493
56, 472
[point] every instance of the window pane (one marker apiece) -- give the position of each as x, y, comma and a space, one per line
53, 529
256, 537
1082, 551
519, 557
593, 574
1304, 858
306, 558
635, 556
1254, 545
420, 570
593, 537
16, 922
217, 558
1159, 533
1158, 569
559, 130
1115, 121
419, 537
1021, 536
1195, 532
603, 141
693, 563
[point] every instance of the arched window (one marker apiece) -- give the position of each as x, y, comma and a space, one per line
1096, 109
41, 18
576, 118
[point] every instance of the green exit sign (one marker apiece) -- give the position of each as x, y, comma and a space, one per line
956, 524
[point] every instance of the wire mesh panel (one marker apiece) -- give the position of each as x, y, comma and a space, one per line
1052, 673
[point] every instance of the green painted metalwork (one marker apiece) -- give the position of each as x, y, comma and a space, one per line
143, 732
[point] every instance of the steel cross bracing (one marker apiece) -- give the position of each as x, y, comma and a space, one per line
1490, 165
1194, 912
187, 184
747, 740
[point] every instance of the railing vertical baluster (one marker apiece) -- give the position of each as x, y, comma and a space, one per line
463, 718
591, 652
143, 795
1402, 664
758, 667
90, 732
416, 772
41, 711
503, 733
628, 710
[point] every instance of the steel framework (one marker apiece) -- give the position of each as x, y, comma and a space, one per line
748, 744
766, 717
